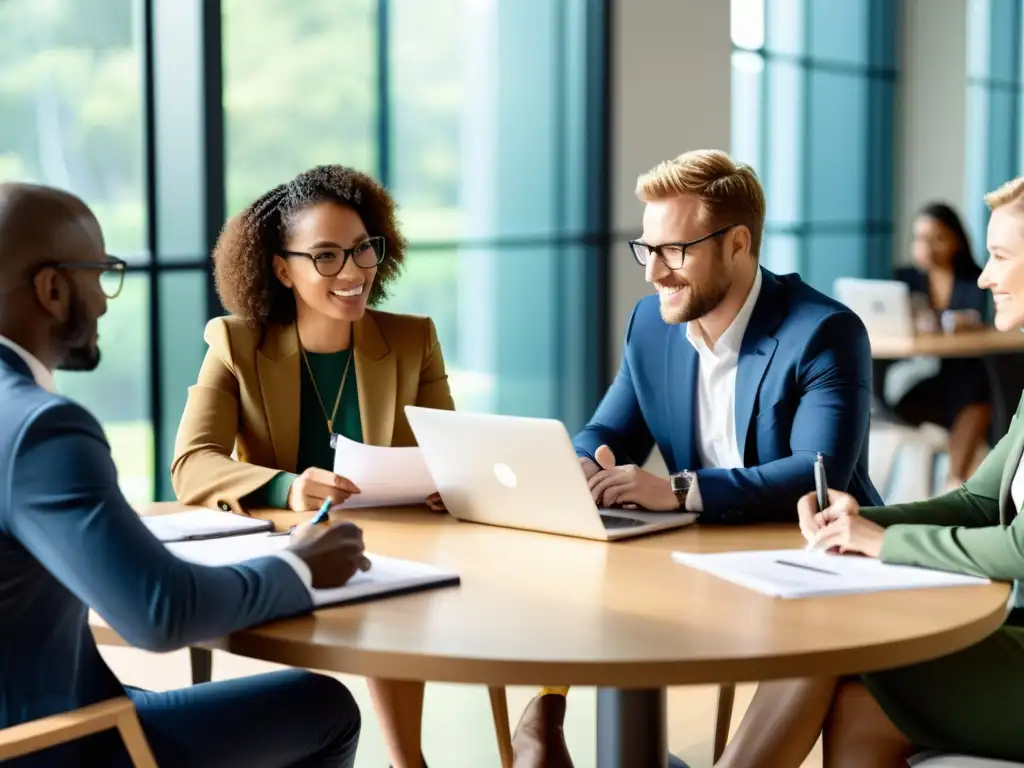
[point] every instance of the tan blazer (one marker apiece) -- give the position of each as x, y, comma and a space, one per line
248, 392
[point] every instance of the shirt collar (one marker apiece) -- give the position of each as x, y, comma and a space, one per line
732, 339
42, 374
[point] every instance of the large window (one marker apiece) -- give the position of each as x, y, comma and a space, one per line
813, 101
71, 98
486, 119
995, 60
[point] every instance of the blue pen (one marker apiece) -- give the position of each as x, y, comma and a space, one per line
323, 515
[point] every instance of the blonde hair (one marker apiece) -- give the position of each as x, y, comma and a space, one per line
1012, 192
730, 192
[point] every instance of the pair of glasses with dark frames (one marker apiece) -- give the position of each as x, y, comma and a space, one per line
366, 254
111, 272
671, 254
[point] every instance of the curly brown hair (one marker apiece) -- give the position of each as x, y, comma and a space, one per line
243, 257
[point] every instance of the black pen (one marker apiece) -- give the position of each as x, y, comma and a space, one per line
820, 483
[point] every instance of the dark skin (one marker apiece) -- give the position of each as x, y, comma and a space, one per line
53, 313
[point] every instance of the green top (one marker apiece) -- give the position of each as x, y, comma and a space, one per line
966, 530
314, 440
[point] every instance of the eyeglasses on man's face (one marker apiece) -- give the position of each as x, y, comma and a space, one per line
366, 254
111, 272
671, 254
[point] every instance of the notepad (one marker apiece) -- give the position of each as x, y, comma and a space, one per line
388, 576
793, 573
191, 524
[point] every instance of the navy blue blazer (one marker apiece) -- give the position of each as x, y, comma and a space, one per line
69, 541
803, 386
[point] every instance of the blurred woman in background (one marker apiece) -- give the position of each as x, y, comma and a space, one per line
944, 286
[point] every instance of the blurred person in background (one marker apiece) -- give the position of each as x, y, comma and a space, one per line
952, 393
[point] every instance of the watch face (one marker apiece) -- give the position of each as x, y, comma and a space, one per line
680, 481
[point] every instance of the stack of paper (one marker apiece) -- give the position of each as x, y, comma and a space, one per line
387, 576
798, 573
195, 524
386, 477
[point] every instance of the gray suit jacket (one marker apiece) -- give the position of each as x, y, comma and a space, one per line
69, 541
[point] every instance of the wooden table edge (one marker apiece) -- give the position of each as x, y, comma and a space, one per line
626, 674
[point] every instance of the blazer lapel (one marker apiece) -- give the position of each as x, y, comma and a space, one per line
681, 368
280, 384
377, 381
756, 353
753, 362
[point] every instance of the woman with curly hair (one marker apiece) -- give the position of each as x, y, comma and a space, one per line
302, 358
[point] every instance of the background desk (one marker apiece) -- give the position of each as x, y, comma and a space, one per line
536, 609
1001, 352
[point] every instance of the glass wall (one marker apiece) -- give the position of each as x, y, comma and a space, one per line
813, 103
486, 119
483, 119
71, 97
995, 78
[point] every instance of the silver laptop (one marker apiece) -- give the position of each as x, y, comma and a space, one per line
884, 306
522, 473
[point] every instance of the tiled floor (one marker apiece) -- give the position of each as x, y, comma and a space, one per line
457, 730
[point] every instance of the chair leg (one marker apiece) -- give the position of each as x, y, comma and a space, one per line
202, 665
499, 709
726, 696
135, 741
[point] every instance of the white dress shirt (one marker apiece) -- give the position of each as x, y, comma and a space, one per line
42, 374
44, 378
717, 445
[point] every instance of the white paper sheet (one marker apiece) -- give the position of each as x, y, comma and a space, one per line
385, 477
202, 524
791, 573
388, 575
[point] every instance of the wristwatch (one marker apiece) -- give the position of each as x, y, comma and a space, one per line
680, 482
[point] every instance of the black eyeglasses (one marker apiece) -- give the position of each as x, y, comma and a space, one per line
367, 255
672, 254
111, 272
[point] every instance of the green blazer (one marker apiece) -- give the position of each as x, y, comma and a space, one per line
974, 530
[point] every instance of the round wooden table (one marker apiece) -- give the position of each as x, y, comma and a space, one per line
538, 609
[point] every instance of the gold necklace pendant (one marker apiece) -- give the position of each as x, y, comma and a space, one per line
316, 389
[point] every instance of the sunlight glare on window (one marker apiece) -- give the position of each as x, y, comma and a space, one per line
747, 23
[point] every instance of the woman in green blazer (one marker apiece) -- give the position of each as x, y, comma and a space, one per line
969, 702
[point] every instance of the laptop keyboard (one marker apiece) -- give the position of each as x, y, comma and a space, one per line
614, 521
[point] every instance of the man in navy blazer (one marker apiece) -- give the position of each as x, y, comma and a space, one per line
69, 542
739, 376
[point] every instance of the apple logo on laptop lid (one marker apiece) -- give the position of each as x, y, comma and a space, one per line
505, 475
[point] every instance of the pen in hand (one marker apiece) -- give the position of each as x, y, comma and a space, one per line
821, 483
820, 488
324, 513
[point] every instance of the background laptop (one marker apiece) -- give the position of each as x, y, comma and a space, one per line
520, 472
884, 306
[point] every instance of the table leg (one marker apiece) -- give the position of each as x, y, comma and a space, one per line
631, 728
202, 664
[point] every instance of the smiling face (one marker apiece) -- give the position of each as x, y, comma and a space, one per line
324, 231
704, 278
1004, 271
